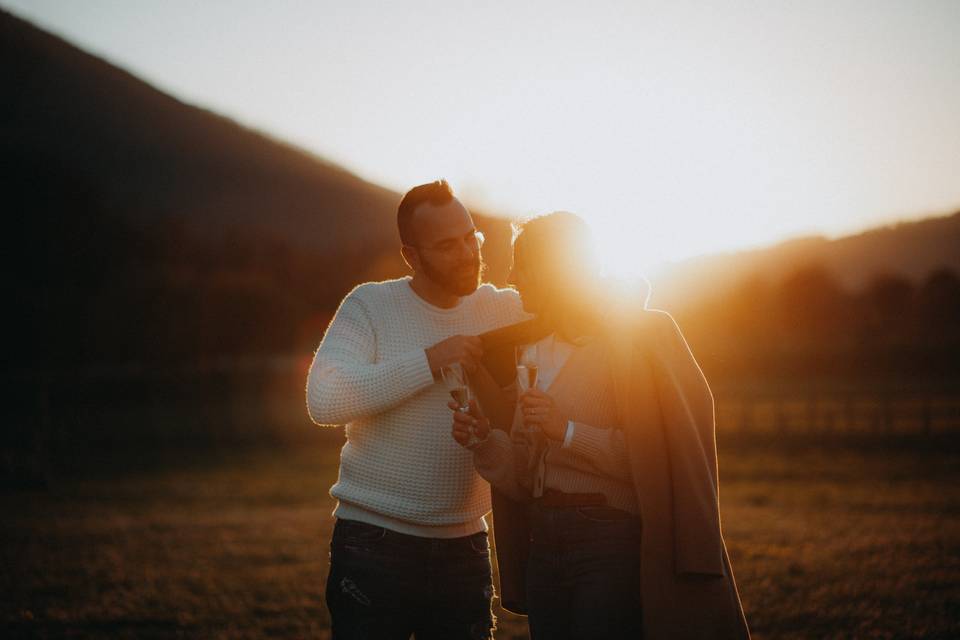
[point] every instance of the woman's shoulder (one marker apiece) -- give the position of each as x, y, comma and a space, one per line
639, 325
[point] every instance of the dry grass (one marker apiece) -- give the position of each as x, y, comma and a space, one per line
825, 544
843, 544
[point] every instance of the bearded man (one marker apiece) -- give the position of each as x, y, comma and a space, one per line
409, 552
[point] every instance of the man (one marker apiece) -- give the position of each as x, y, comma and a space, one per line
409, 552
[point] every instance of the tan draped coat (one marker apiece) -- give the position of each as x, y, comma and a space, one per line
687, 585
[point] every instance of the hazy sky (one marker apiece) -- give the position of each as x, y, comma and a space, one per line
676, 128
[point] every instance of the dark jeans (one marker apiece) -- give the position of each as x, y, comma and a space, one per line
385, 585
583, 577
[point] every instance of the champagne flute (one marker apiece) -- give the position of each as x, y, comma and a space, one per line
527, 370
455, 381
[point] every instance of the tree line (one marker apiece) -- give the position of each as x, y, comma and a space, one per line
809, 321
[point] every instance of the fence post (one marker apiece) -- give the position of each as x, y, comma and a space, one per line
781, 415
885, 415
829, 420
157, 431
850, 413
746, 414
812, 422
927, 416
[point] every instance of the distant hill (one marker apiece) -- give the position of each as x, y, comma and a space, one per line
884, 303
143, 228
150, 155
135, 215
908, 249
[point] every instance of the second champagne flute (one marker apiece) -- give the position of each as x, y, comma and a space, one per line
455, 381
527, 370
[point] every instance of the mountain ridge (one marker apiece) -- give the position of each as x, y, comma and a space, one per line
213, 238
911, 249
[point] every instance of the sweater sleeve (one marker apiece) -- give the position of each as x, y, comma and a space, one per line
493, 459
603, 449
346, 383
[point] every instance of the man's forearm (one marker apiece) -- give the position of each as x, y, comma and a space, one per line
339, 392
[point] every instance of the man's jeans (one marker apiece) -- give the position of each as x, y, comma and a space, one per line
583, 577
385, 585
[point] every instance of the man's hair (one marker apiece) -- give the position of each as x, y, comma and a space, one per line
437, 192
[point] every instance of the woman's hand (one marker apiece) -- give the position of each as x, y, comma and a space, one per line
465, 424
539, 410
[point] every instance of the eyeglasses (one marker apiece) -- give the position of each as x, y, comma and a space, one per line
452, 246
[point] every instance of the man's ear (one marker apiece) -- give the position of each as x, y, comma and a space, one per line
411, 257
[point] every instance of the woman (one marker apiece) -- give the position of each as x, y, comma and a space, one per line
621, 424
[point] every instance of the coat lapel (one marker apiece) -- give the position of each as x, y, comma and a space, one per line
687, 585
496, 394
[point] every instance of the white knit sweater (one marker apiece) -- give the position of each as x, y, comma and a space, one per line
400, 467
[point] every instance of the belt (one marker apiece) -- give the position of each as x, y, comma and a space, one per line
555, 498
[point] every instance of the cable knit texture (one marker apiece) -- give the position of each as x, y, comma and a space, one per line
400, 467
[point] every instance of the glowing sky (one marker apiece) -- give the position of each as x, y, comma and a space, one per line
676, 128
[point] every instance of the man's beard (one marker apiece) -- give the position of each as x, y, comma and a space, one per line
453, 281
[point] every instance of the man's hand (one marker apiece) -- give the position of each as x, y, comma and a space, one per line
540, 410
463, 349
466, 423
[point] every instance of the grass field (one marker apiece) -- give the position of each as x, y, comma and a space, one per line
825, 543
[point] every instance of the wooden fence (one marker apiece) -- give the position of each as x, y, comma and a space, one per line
222, 402
848, 411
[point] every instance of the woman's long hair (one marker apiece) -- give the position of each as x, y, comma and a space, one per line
558, 250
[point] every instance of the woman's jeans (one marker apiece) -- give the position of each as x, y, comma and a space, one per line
583, 577
385, 585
